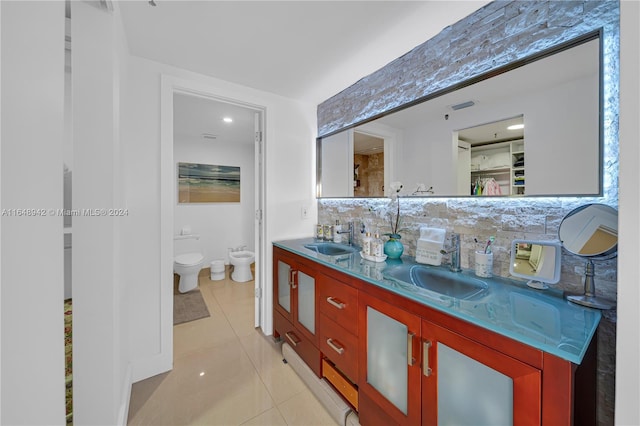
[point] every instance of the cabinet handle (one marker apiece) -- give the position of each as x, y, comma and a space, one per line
335, 347
410, 359
426, 370
292, 278
338, 304
293, 341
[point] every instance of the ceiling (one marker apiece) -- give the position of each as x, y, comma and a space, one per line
305, 50
201, 118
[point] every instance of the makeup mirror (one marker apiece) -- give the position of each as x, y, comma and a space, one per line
591, 232
539, 261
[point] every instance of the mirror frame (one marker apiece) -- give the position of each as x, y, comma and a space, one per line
589, 36
533, 278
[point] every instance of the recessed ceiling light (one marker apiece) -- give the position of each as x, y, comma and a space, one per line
228, 120
516, 127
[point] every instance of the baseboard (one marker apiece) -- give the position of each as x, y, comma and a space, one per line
123, 413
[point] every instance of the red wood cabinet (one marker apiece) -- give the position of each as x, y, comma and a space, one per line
404, 361
488, 386
389, 363
295, 317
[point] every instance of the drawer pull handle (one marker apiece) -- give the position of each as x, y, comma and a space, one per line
293, 341
338, 304
426, 370
410, 359
335, 347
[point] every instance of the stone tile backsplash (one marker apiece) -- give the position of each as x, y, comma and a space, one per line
475, 220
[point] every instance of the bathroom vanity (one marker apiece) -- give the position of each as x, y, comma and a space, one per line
406, 343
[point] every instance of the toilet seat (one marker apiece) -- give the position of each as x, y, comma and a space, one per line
189, 259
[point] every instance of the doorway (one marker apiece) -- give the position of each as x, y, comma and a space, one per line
368, 165
182, 104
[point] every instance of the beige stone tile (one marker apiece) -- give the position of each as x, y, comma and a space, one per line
203, 333
279, 378
210, 386
232, 403
144, 401
232, 292
225, 372
270, 417
263, 351
304, 409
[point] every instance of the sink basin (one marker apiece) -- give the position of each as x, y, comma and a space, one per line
331, 249
447, 283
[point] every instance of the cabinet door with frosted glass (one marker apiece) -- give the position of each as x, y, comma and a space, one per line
389, 362
283, 286
465, 382
304, 298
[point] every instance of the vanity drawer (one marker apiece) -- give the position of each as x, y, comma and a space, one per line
339, 302
289, 334
347, 389
340, 346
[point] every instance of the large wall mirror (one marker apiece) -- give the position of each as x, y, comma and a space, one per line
533, 130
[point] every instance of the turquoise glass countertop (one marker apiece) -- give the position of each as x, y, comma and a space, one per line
542, 319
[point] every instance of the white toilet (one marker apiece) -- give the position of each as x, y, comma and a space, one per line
187, 260
241, 261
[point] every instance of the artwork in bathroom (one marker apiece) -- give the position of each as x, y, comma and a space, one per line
206, 183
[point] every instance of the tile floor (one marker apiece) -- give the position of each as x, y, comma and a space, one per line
225, 372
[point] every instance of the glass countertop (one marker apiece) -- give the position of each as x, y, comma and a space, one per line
542, 319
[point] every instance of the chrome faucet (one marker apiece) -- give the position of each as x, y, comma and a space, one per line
349, 232
454, 253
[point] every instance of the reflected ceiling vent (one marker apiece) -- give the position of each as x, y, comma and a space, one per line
462, 105
209, 136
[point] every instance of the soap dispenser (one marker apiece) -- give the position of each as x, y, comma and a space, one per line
366, 244
377, 248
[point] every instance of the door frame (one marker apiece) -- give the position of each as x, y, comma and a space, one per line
392, 148
169, 86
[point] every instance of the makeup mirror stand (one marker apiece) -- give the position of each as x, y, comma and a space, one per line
589, 297
538, 285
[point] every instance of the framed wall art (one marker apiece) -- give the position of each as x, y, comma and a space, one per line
206, 183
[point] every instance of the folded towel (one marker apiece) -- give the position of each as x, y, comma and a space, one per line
429, 245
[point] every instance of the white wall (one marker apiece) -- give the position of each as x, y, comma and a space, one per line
101, 370
32, 372
290, 163
220, 225
628, 339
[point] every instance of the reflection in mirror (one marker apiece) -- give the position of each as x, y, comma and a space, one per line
491, 158
558, 99
537, 260
368, 165
590, 231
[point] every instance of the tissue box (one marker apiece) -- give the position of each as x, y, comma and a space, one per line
429, 245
